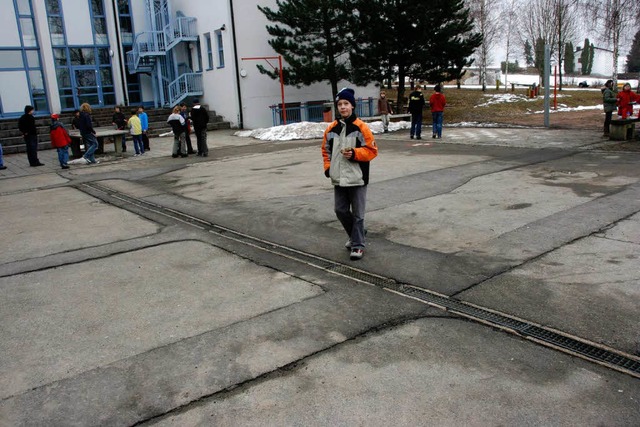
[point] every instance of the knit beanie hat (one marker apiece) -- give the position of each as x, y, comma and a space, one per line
28, 108
347, 94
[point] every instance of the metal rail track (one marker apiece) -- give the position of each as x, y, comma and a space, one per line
548, 337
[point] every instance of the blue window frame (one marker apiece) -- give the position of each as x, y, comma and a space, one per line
220, 47
207, 37
26, 57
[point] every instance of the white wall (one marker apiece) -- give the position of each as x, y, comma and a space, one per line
77, 23
14, 91
8, 26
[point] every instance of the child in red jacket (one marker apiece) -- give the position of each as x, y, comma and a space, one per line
625, 99
60, 140
437, 102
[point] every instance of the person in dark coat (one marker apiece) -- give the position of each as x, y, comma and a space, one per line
27, 125
120, 122
200, 118
416, 104
187, 135
85, 125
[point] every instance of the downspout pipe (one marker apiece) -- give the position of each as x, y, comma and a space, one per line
235, 57
121, 56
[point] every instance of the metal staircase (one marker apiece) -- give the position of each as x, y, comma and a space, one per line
154, 53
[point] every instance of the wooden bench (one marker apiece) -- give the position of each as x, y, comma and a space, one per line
101, 134
622, 129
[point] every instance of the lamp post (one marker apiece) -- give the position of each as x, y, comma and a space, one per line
279, 68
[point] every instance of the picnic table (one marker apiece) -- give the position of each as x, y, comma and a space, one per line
101, 134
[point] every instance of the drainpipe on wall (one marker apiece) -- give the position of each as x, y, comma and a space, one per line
235, 57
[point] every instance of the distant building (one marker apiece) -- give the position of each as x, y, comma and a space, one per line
602, 62
58, 54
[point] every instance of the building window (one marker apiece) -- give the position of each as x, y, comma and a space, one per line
99, 23
220, 47
207, 38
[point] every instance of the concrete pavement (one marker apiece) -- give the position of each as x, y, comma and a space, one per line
216, 291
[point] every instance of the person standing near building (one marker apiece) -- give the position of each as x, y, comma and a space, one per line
60, 140
135, 124
416, 104
200, 118
609, 101
178, 126
384, 109
27, 125
119, 122
2, 166
85, 126
437, 102
144, 122
187, 133
347, 148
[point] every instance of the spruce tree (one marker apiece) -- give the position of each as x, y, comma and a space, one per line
428, 40
586, 57
569, 58
528, 54
633, 59
314, 38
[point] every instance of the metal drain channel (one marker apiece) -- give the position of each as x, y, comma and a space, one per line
548, 337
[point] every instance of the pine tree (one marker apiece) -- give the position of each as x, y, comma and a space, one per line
569, 58
539, 55
586, 57
311, 36
528, 54
633, 59
428, 40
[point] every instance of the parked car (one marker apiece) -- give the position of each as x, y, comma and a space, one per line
583, 84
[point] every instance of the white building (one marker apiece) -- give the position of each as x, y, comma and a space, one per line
602, 62
57, 54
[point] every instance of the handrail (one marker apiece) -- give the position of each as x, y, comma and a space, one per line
184, 85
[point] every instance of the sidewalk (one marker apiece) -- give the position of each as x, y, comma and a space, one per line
217, 291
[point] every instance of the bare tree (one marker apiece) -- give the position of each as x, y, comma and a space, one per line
509, 27
566, 28
539, 24
614, 19
484, 14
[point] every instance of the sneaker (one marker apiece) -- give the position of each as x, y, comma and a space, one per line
348, 244
86, 161
137, 154
434, 136
2, 168
175, 156
418, 137
64, 167
411, 136
357, 254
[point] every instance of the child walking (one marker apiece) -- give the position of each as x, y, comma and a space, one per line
60, 140
136, 132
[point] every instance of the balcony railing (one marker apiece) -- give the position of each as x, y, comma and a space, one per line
187, 84
314, 111
181, 29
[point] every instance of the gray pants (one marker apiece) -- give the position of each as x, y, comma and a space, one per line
350, 203
385, 121
179, 145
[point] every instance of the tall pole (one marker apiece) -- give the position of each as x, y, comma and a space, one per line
547, 60
284, 109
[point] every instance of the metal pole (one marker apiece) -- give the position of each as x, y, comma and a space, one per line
547, 60
284, 109
555, 88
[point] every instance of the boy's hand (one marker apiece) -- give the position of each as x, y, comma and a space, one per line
347, 153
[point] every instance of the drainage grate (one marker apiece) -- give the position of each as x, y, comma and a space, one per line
588, 351
550, 338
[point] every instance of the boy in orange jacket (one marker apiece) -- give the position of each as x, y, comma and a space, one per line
348, 147
60, 140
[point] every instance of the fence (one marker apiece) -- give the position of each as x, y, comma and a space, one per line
313, 111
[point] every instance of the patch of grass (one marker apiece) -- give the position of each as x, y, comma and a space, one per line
467, 105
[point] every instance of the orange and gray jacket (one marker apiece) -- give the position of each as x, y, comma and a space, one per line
350, 133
